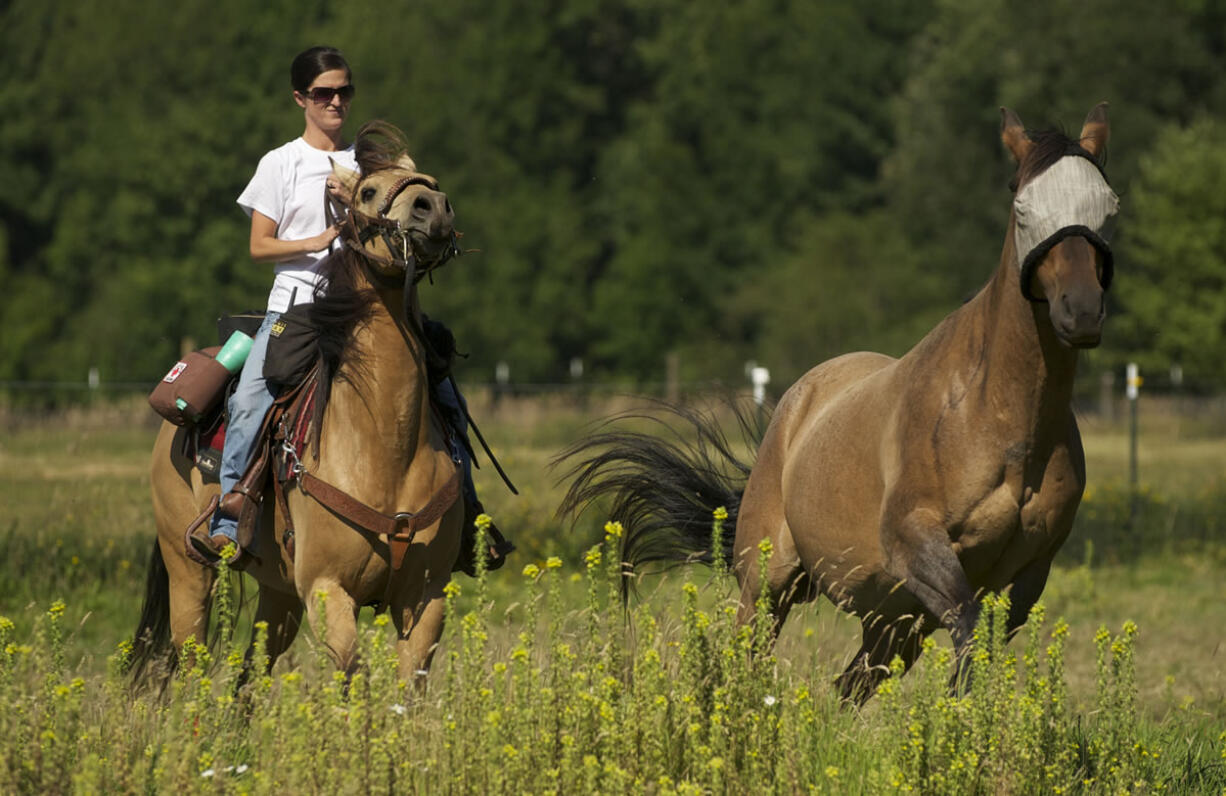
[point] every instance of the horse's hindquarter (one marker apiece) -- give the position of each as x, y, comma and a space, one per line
818, 470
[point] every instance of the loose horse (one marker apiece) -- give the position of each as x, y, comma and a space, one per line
378, 441
904, 488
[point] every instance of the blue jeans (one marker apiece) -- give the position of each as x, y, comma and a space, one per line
251, 400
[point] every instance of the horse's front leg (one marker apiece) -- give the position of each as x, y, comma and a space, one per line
417, 599
282, 613
419, 627
338, 617
919, 554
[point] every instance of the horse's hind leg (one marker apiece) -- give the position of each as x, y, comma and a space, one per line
417, 600
786, 583
419, 624
761, 517
191, 588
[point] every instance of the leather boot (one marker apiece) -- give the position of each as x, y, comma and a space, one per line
498, 547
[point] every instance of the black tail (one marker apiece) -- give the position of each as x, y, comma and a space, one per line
665, 488
152, 650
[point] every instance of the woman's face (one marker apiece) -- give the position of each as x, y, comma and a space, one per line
326, 100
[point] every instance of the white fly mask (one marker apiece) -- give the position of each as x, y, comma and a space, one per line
1071, 197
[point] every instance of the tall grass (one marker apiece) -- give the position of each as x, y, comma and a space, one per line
567, 696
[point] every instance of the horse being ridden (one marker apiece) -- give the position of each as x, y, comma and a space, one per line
903, 488
378, 441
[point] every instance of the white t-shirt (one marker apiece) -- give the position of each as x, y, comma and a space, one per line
288, 187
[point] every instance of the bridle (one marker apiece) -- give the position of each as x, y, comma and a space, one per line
358, 229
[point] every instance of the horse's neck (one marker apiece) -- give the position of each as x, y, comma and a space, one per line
383, 400
1016, 355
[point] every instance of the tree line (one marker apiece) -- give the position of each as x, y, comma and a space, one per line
768, 180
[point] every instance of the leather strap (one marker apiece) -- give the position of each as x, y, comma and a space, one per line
399, 528
202, 518
287, 536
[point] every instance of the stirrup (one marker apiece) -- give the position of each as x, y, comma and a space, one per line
205, 548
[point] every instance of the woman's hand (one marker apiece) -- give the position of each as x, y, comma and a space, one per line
324, 239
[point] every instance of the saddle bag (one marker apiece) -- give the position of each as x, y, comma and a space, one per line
191, 388
292, 349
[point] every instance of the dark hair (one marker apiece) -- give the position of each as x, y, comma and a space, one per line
1050, 146
310, 64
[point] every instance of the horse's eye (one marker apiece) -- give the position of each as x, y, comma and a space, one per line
368, 194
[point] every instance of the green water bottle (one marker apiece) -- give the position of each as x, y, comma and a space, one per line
234, 353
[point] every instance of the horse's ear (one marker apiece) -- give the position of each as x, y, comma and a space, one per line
406, 162
1013, 134
347, 179
1096, 131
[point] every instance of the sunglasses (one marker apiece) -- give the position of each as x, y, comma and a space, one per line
324, 94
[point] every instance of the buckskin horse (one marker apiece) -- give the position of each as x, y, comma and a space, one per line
903, 489
378, 445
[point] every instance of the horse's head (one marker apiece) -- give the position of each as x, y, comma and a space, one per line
398, 218
1061, 204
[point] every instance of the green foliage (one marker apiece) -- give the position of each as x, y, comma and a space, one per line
579, 701
540, 684
1125, 524
1013, 730
1175, 293
764, 179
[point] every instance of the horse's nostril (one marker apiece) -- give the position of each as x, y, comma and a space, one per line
421, 205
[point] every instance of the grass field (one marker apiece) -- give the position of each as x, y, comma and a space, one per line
77, 528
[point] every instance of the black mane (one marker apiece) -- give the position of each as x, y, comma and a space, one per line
339, 308
1048, 147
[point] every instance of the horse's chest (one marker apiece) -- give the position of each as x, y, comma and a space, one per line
1004, 530
995, 515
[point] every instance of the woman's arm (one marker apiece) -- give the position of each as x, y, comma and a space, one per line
266, 248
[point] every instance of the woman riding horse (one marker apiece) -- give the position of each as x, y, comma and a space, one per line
393, 537
288, 228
